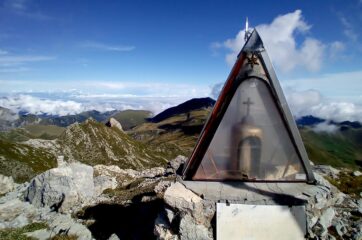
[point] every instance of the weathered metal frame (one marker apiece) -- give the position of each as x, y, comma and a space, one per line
253, 45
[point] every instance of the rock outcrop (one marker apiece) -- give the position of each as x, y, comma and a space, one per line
172, 210
62, 188
114, 123
194, 214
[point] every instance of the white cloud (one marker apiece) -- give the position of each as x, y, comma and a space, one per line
335, 49
13, 63
300, 102
7, 115
17, 5
24, 9
155, 97
41, 106
107, 47
337, 86
311, 102
348, 30
279, 39
325, 127
215, 90
10, 60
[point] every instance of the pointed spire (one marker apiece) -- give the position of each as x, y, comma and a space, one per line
253, 43
247, 32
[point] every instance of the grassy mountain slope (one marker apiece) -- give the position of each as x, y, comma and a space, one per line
337, 149
94, 143
32, 131
44, 131
23, 161
132, 118
179, 132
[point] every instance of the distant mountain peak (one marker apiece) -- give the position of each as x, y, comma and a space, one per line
309, 120
192, 104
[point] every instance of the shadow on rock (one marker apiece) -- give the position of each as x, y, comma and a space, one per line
135, 221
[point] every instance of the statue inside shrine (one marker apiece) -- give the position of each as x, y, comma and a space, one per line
248, 141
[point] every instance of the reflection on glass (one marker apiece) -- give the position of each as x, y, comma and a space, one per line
251, 142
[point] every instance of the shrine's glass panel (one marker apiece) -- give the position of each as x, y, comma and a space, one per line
251, 142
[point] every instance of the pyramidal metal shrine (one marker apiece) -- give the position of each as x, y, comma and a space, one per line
250, 135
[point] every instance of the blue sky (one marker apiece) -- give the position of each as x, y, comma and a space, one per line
153, 54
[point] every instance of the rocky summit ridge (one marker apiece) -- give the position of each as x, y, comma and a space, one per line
107, 202
90, 142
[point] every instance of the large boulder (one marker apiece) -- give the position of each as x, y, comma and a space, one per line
179, 197
112, 122
195, 214
62, 188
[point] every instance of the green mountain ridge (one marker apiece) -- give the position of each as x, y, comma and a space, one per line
94, 143
90, 142
338, 149
31, 149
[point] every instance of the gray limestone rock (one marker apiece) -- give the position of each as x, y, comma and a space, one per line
359, 203
357, 173
65, 225
179, 197
112, 122
161, 187
175, 164
170, 214
152, 172
357, 236
16, 213
191, 230
196, 213
325, 220
62, 188
102, 183
6, 184
113, 237
340, 228
326, 170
